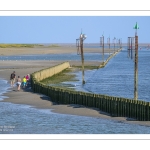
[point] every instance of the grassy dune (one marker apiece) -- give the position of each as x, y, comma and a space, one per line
16, 45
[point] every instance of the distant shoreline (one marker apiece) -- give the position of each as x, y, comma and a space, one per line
47, 50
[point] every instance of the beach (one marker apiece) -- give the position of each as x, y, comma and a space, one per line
36, 100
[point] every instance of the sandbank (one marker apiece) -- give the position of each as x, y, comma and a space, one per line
48, 50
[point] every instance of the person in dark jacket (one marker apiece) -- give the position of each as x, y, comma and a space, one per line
12, 78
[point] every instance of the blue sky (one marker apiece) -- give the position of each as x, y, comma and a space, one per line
65, 29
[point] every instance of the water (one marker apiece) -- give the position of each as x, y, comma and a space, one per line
64, 57
4, 87
23, 119
117, 77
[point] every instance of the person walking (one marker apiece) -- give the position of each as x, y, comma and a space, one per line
12, 78
18, 83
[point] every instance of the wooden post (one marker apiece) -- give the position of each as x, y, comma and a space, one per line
148, 111
128, 107
136, 69
144, 111
138, 110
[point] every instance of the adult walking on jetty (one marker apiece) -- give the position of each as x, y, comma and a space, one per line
12, 78
18, 83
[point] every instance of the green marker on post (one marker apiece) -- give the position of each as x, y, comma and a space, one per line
136, 27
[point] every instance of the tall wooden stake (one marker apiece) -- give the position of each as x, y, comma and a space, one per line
82, 59
80, 51
102, 44
136, 65
136, 69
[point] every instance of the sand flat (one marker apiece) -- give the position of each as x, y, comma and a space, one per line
47, 50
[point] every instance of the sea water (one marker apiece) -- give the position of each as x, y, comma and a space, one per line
64, 57
23, 119
117, 77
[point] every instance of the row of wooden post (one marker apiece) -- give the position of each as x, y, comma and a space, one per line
115, 106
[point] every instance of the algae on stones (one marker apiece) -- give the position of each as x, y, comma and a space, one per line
63, 76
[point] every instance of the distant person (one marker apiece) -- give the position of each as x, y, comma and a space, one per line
27, 78
18, 83
12, 78
24, 81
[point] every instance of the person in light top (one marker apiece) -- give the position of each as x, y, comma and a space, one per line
18, 83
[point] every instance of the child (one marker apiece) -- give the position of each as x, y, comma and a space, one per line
24, 81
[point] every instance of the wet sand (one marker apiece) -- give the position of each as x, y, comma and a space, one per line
39, 101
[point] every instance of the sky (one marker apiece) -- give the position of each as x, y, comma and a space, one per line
66, 29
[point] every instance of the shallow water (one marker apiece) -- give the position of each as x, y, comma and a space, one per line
65, 57
117, 77
4, 87
21, 119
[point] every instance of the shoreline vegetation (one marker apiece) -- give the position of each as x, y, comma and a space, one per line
17, 45
66, 75
26, 45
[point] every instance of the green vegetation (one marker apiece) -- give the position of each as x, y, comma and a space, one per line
86, 67
63, 76
16, 45
63, 86
66, 75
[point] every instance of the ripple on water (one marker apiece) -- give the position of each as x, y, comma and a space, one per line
29, 120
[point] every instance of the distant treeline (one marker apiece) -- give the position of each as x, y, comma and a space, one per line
18, 45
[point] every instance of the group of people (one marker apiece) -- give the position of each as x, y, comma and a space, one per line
19, 82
